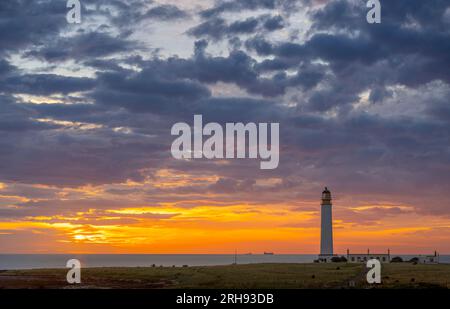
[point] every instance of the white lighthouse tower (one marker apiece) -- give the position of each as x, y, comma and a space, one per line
326, 227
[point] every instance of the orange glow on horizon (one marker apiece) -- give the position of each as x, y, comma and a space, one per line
209, 222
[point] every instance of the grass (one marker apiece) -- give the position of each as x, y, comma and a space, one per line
249, 276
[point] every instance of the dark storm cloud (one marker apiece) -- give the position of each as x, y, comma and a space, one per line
103, 64
338, 49
274, 23
16, 118
73, 159
33, 151
5, 68
214, 28
45, 84
147, 91
440, 111
27, 22
378, 94
165, 85
410, 47
119, 13
260, 45
75, 112
308, 75
343, 14
238, 68
217, 28
165, 12
83, 47
360, 152
238, 5
353, 150
244, 110
247, 26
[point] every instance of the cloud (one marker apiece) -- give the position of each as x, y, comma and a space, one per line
25, 23
237, 5
363, 108
147, 91
16, 118
83, 47
217, 28
273, 23
6, 68
165, 12
45, 84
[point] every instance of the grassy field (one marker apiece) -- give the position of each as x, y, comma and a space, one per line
297, 276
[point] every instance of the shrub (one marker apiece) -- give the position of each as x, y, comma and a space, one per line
338, 259
397, 259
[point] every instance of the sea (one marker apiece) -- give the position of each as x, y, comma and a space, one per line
35, 261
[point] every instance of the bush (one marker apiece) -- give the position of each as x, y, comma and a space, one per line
338, 259
397, 259
414, 260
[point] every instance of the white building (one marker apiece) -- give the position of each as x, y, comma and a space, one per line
364, 257
427, 259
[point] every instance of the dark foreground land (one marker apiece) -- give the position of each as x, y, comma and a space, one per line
271, 276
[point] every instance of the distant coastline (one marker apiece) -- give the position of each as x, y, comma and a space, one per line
36, 261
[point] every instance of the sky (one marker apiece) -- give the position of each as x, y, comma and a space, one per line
86, 111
